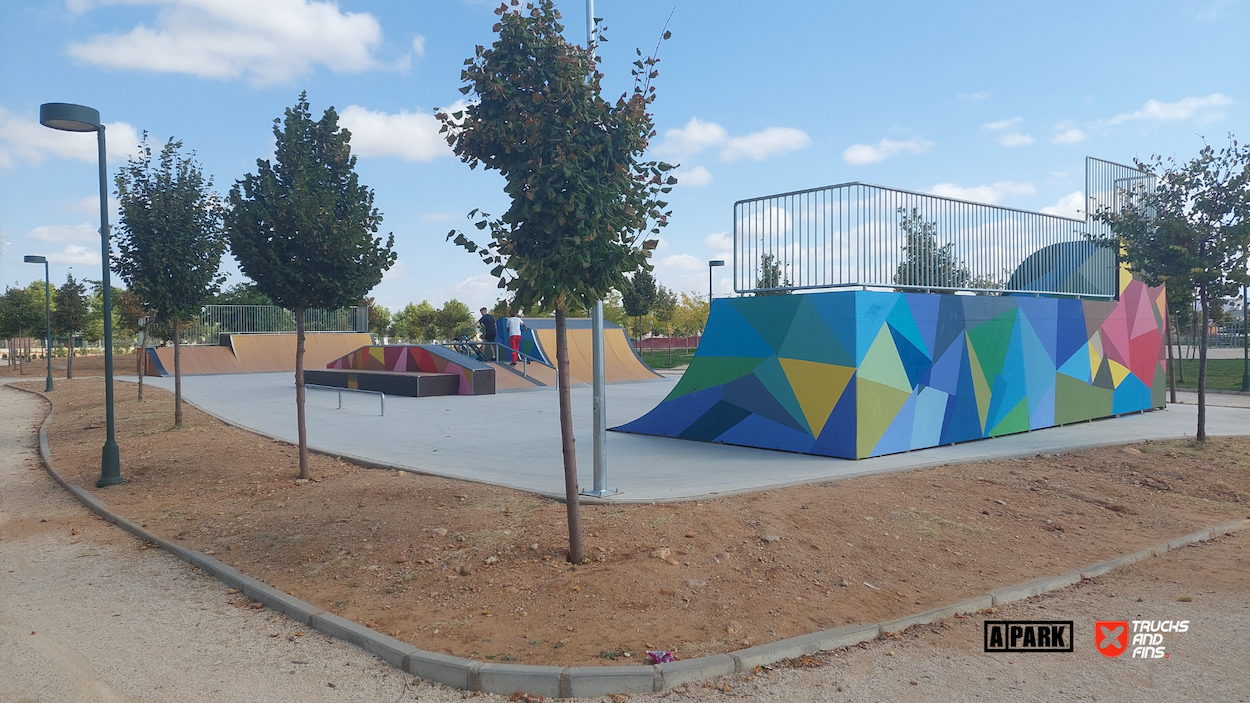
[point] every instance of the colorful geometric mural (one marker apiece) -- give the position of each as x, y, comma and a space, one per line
858, 373
423, 358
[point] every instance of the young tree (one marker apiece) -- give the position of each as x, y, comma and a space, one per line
454, 320
70, 316
664, 309
169, 240
582, 199
691, 315
416, 323
1191, 231
20, 312
771, 277
638, 298
379, 318
926, 263
303, 228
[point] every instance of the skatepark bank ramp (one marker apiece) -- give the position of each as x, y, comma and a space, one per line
257, 353
621, 363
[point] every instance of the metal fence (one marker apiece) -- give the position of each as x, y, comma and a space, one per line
214, 320
859, 234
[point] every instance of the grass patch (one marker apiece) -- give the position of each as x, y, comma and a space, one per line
1222, 374
662, 359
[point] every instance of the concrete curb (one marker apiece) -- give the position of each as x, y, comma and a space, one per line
593, 681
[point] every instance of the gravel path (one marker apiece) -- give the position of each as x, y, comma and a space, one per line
88, 614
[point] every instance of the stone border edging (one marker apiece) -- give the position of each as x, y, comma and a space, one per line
591, 681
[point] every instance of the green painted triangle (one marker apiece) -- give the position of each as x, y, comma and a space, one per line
991, 339
876, 406
711, 371
1015, 421
775, 380
882, 365
1076, 400
811, 339
770, 315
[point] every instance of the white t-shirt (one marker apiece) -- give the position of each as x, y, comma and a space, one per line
514, 327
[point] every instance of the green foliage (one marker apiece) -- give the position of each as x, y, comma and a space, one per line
170, 239
640, 295
302, 227
242, 293
69, 317
691, 314
379, 318
21, 312
929, 264
771, 277
665, 306
454, 320
416, 323
582, 199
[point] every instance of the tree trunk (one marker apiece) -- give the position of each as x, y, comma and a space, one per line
69, 357
571, 500
302, 427
1202, 364
1180, 358
177, 375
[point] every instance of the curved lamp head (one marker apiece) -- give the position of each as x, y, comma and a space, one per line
35, 259
68, 117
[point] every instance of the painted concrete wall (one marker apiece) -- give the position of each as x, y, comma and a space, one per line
857, 374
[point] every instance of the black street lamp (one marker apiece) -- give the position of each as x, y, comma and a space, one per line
710, 265
47, 313
1245, 340
80, 118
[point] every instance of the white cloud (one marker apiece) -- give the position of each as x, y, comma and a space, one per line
66, 233
697, 176
860, 154
990, 194
412, 136
1180, 110
75, 254
769, 142
24, 138
1069, 136
681, 262
696, 136
89, 207
1015, 139
437, 216
483, 287
1071, 205
268, 42
719, 241
418, 45
1002, 124
979, 95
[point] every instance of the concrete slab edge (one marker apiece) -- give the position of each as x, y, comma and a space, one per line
568, 682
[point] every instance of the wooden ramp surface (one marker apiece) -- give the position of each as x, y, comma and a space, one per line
620, 362
258, 353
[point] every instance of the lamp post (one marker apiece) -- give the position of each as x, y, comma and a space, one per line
80, 118
1245, 341
47, 313
710, 265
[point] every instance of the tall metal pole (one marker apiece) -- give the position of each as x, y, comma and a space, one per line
1245, 340
110, 459
47, 315
598, 381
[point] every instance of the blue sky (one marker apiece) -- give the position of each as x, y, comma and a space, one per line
991, 101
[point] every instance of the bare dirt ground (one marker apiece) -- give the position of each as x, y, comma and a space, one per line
84, 365
477, 571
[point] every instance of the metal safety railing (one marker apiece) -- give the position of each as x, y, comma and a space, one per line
381, 396
215, 320
860, 234
492, 352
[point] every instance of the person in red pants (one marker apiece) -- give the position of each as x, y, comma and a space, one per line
514, 336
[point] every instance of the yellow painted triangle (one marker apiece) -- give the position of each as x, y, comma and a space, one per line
379, 355
979, 384
1095, 354
1118, 372
876, 406
817, 387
